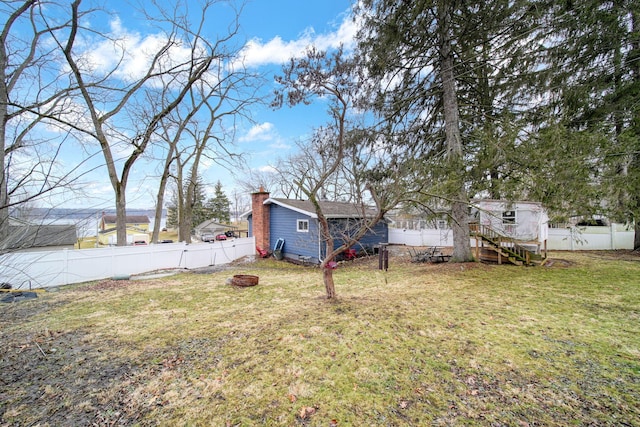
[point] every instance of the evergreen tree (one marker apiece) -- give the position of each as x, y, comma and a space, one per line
200, 210
172, 212
594, 72
449, 75
218, 205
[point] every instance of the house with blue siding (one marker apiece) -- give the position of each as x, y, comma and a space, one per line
295, 223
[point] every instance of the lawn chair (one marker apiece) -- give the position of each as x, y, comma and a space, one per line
413, 254
420, 256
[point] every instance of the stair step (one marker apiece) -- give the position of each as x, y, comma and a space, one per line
511, 256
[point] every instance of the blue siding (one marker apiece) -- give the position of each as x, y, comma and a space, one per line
376, 235
283, 223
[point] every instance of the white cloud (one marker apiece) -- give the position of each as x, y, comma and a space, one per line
261, 132
277, 51
280, 145
128, 54
266, 132
267, 169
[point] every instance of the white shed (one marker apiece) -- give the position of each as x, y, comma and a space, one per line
526, 222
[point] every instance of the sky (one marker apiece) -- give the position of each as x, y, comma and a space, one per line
271, 31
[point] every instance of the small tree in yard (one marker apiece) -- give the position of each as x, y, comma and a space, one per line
322, 162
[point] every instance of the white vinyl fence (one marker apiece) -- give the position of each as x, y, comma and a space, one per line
424, 237
62, 267
616, 236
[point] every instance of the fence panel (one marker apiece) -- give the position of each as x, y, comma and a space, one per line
617, 236
423, 237
55, 268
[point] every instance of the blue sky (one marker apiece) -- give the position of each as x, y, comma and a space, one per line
272, 31
277, 30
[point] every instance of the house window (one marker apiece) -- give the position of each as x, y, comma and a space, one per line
509, 217
509, 222
303, 225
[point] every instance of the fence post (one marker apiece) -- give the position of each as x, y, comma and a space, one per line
383, 257
612, 235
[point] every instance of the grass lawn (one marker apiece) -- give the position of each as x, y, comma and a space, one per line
421, 344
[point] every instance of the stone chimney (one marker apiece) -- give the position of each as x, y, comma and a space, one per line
260, 214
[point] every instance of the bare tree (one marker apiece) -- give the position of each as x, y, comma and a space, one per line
182, 58
31, 91
322, 165
204, 128
250, 180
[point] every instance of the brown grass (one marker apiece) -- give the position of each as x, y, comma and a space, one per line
421, 344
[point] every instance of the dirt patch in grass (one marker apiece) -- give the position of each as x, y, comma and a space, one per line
107, 285
64, 378
420, 344
558, 263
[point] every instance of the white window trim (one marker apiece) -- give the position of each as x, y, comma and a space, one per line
300, 229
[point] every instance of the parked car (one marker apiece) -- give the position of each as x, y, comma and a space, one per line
207, 238
221, 237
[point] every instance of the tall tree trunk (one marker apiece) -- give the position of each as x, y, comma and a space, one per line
635, 47
4, 195
460, 202
184, 232
160, 196
157, 220
121, 215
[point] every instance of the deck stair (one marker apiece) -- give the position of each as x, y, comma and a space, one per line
506, 248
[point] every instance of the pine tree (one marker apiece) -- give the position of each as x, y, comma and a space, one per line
172, 215
200, 211
449, 74
594, 70
218, 205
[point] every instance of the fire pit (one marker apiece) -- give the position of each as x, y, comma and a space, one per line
244, 280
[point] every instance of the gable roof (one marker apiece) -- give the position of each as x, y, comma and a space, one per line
210, 223
329, 209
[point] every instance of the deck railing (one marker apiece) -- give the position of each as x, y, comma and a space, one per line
501, 242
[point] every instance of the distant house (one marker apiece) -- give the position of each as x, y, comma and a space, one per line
137, 225
295, 224
26, 235
212, 227
137, 222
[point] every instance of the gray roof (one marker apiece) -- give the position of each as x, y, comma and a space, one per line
210, 223
31, 236
329, 209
